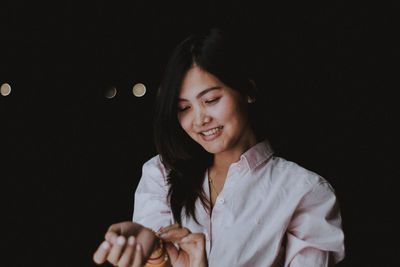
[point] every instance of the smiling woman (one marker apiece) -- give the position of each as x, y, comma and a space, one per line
230, 201
203, 68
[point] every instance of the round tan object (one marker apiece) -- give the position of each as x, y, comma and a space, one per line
110, 92
5, 89
139, 90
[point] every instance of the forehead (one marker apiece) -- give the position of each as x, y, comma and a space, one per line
197, 80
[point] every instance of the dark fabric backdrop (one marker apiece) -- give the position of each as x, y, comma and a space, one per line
71, 159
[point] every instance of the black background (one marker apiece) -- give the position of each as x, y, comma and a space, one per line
71, 158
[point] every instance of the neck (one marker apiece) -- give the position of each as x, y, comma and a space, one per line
224, 159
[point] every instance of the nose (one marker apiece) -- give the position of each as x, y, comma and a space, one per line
201, 118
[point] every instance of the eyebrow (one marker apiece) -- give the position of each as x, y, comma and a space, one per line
203, 92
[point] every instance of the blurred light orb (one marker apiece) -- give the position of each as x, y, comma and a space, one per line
5, 89
139, 90
110, 92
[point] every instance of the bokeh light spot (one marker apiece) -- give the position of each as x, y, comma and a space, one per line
110, 92
139, 90
5, 89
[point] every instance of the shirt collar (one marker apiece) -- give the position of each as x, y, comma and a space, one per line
257, 154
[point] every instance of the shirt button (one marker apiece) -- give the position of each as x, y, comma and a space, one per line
221, 200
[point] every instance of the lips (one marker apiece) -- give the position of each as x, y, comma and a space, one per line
211, 131
211, 134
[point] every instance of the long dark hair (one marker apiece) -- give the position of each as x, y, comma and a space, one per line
216, 52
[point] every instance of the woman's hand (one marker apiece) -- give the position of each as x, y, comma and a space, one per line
192, 247
126, 244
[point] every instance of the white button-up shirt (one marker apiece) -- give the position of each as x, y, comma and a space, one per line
271, 212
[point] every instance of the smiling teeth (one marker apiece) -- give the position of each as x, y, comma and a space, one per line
212, 131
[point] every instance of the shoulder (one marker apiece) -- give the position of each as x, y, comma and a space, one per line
154, 163
154, 168
291, 174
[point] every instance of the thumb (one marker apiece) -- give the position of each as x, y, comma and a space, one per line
172, 252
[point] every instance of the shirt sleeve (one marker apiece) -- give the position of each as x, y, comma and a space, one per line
315, 237
151, 207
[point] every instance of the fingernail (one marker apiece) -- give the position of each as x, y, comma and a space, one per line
112, 239
131, 240
120, 240
138, 248
163, 235
105, 245
185, 239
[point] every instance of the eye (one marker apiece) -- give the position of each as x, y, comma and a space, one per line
213, 100
183, 109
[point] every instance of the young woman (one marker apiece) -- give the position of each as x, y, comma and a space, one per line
232, 201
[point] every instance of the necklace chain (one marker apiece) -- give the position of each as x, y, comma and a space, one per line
212, 184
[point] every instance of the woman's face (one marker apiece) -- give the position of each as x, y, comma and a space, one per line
212, 114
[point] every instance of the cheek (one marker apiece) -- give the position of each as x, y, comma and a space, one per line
184, 121
226, 112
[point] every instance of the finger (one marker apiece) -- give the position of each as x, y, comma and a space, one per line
126, 257
172, 226
116, 250
113, 232
111, 236
175, 235
101, 253
126, 229
172, 252
174, 230
138, 258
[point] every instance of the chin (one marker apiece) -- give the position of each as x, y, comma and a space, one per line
213, 148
